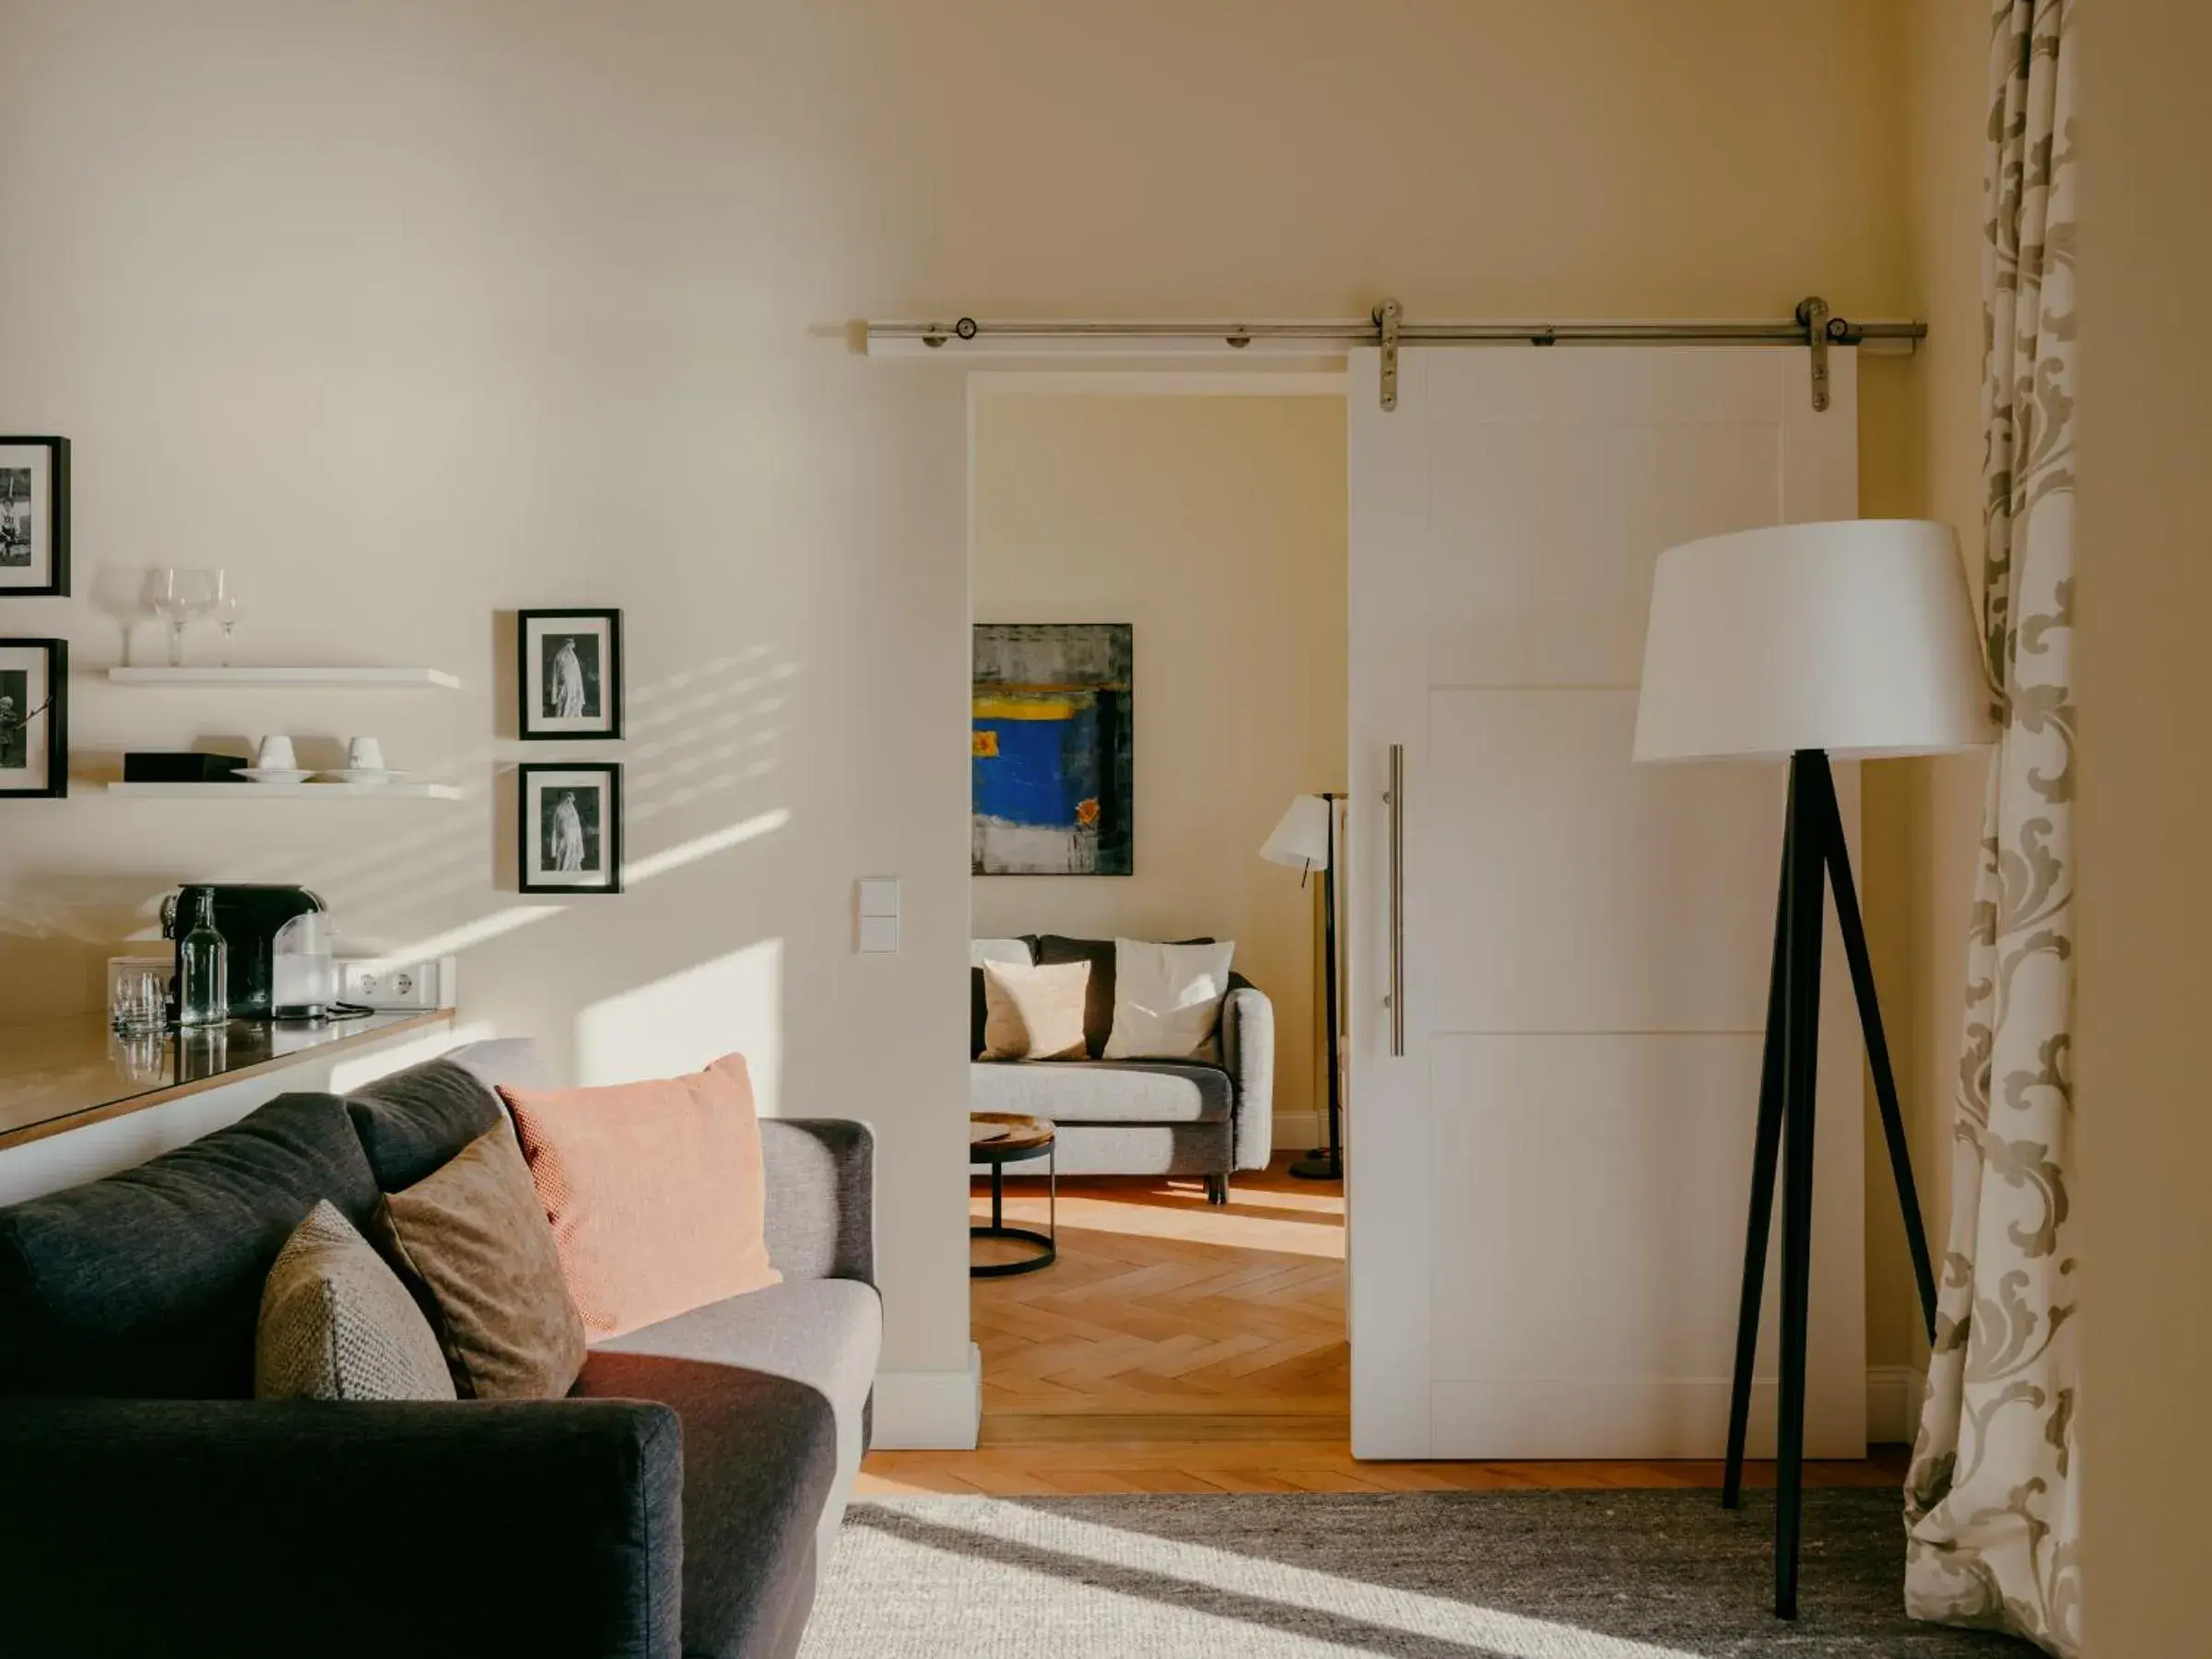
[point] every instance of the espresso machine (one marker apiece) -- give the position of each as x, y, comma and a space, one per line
278, 942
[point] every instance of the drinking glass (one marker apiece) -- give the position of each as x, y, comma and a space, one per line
226, 609
181, 594
137, 999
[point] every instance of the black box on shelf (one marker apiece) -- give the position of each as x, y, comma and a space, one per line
172, 766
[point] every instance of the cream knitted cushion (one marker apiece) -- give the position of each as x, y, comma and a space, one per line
337, 1325
1034, 1012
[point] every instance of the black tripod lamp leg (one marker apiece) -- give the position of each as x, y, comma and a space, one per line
1801, 1068
1766, 1147
1877, 1045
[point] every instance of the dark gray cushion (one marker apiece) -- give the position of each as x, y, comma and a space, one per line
1098, 996
148, 1283
759, 1458
416, 1121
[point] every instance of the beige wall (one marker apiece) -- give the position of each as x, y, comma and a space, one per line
417, 312
1216, 526
2145, 590
1921, 458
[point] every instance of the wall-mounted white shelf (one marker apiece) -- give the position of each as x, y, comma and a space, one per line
358, 679
289, 791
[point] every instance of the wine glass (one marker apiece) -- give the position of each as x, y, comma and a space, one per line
179, 595
226, 609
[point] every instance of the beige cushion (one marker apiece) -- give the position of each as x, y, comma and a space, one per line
337, 1325
475, 1246
1167, 999
1034, 1012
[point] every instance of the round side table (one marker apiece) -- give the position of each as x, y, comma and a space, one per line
999, 1138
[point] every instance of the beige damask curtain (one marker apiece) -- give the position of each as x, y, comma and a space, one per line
1992, 1503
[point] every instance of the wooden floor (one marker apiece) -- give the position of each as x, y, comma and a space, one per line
1177, 1346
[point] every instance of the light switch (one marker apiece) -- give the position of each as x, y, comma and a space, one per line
878, 917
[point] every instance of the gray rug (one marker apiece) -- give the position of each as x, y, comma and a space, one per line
1427, 1575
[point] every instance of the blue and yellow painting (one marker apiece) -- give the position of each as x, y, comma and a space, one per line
1051, 750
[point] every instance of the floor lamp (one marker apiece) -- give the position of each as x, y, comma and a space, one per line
1306, 841
1800, 643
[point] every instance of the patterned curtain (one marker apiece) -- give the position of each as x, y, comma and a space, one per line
1992, 1509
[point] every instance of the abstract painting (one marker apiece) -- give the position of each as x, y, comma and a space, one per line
1051, 754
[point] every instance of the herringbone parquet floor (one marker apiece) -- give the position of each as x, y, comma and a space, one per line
1179, 1347
1160, 1304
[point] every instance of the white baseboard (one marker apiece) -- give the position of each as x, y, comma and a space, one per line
1299, 1132
930, 1411
1894, 1394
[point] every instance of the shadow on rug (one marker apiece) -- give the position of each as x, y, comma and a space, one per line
1425, 1575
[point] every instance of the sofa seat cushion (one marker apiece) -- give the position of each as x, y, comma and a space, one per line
148, 1283
1103, 1091
760, 1464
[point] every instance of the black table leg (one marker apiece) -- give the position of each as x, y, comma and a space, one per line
1048, 1244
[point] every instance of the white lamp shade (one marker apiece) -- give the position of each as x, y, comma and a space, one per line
1853, 637
1302, 840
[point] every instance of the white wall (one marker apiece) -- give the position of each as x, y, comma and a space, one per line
416, 313
1216, 527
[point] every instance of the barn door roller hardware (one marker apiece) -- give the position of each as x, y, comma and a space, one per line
1814, 324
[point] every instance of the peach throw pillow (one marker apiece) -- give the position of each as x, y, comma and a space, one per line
654, 1191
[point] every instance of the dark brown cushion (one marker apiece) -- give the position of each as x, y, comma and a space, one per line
473, 1243
1098, 999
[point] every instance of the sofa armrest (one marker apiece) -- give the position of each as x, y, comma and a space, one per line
821, 1198
250, 1528
1248, 1051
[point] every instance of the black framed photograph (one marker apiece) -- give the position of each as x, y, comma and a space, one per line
570, 664
572, 827
34, 718
34, 518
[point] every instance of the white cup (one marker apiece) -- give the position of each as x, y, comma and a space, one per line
276, 754
364, 754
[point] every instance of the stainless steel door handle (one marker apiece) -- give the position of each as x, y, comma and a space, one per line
1396, 798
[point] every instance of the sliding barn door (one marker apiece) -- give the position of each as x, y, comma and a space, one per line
1551, 1164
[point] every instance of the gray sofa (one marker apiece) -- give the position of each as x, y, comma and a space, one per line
1137, 1117
679, 1504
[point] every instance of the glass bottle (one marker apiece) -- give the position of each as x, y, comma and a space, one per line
203, 969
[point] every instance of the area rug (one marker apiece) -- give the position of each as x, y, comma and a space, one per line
1425, 1575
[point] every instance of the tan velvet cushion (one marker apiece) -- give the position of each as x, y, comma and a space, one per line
337, 1325
1034, 1012
656, 1192
475, 1247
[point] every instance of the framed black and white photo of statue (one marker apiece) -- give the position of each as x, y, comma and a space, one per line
571, 664
34, 518
572, 827
34, 718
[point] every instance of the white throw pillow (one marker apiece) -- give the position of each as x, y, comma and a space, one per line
1167, 999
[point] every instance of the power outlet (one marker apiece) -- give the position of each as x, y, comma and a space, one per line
382, 983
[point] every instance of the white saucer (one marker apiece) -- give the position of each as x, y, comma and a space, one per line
273, 774
361, 774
